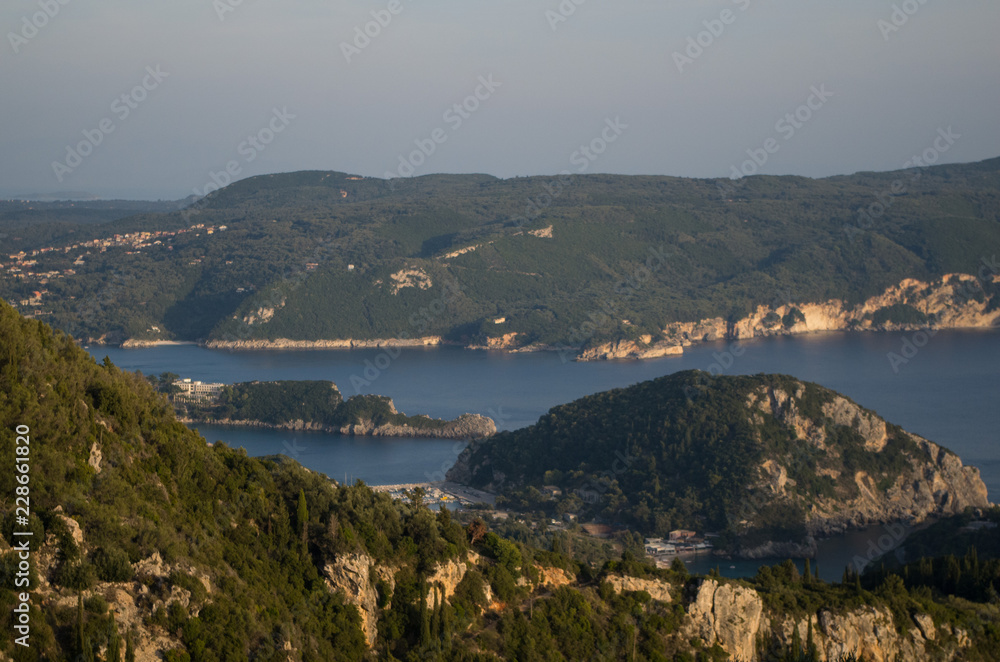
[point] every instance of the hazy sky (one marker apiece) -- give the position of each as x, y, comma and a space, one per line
296, 77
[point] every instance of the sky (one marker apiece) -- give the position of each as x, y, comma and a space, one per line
161, 100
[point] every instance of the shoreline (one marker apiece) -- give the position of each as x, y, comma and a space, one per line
674, 350
452, 431
949, 302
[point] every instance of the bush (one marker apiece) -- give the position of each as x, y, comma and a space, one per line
112, 565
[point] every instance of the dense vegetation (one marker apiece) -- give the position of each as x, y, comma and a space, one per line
682, 451
284, 403
626, 255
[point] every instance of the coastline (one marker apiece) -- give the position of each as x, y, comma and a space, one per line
949, 302
467, 427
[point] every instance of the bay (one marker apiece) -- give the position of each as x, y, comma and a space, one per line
944, 386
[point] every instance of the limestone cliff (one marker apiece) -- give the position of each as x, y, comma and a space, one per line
735, 617
350, 575
924, 480
952, 302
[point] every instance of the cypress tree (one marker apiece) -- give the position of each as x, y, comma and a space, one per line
302, 516
130, 648
114, 641
425, 622
807, 575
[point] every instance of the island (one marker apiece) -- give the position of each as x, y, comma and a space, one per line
308, 405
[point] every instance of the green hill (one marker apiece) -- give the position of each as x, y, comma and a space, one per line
762, 460
323, 255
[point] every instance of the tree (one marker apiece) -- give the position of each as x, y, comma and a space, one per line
476, 531
114, 653
302, 517
130, 648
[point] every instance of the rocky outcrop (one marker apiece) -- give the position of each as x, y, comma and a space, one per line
630, 349
447, 576
735, 618
932, 483
658, 590
350, 575
952, 302
727, 614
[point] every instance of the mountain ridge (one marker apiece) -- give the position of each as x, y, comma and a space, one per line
316, 256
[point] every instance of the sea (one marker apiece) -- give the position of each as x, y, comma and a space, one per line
943, 385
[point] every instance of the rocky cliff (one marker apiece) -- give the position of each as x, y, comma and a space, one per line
955, 301
735, 618
925, 480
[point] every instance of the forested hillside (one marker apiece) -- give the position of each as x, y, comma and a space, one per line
479, 260
763, 460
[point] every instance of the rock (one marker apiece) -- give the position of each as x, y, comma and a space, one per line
658, 590
349, 575
95, 457
74, 528
926, 625
629, 349
728, 615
